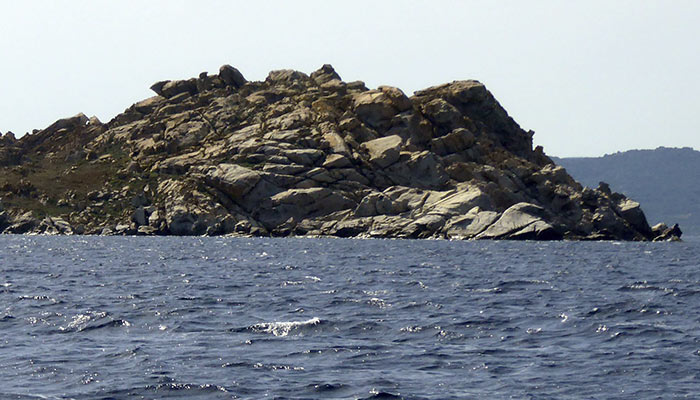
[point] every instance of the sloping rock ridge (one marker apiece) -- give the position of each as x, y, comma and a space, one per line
304, 155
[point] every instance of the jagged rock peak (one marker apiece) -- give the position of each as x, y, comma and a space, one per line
231, 76
8, 136
325, 74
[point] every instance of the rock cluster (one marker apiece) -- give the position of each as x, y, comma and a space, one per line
302, 154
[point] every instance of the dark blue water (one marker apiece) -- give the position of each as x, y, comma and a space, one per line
222, 318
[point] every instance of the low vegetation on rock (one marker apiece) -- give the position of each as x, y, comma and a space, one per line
304, 155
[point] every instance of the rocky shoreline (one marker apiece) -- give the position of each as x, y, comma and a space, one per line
304, 155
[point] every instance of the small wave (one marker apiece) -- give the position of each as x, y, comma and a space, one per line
412, 329
445, 335
277, 367
284, 328
113, 323
417, 283
14, 396
163, 390
486, 290
686, 293
326, 387
39, 298
91, 321
375, 395
364, 326
611, 309
519, 283
644, 285
377, 302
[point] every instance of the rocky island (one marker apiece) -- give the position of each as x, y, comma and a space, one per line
304, 155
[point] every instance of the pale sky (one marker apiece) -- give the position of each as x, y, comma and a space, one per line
589, 77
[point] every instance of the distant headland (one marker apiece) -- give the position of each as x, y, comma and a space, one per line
304, 155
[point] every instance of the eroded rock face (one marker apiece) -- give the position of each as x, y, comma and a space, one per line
304, 154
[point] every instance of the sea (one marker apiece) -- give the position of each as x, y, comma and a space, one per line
270, 318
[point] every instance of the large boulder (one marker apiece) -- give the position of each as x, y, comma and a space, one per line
662, 233
234, 180
181, 134
182, 222
55, 226
377, 203
286, 77
424, 227
231, 76
610, 225
465, 199
398, 99
24, 223
522, 221
336, 143
631, 212
374, 108
471, 224
170, 89
443, 114
457, 140
73, 122
377, 107
337, 161
384, 151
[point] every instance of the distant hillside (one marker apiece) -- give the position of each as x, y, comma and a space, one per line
666, 181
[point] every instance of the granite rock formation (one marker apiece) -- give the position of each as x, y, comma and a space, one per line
664, 180
302, 154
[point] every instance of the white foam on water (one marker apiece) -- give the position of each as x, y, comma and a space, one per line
81, 320
285, 327
377, 302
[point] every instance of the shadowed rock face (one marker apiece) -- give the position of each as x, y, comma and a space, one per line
304, 154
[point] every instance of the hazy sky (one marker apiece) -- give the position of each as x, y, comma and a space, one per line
589, 77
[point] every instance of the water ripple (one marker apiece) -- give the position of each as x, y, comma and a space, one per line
224, 318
